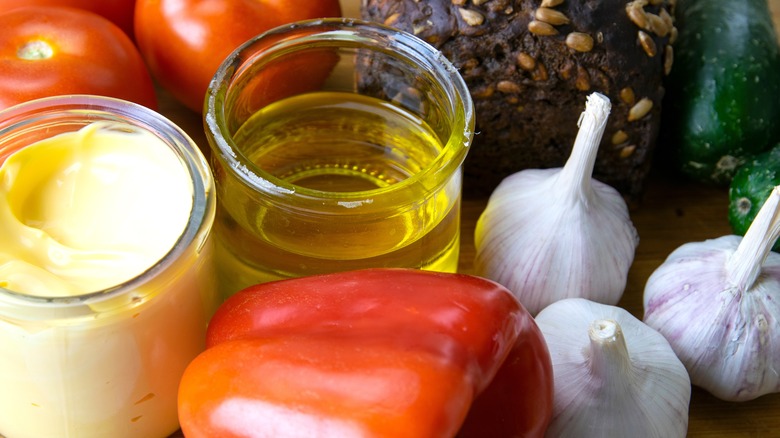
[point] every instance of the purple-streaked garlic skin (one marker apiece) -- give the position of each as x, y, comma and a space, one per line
550, 234
635, 387
580, 247
726, 338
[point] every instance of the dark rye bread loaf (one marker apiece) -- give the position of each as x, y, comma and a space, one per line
530, 64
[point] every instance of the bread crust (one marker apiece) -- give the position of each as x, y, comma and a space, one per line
530, 68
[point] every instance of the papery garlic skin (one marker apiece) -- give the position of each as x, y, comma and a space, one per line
566, 247
629, 384
726, 338
550, 234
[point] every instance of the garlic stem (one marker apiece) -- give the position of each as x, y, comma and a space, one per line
608, 351
578, 170
614, 375
744, 265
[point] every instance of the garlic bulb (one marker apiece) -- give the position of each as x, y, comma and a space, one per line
549, 234
718, 304
613, 375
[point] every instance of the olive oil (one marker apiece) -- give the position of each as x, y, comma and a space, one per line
355, 186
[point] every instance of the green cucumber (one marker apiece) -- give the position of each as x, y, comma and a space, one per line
750, 188
723, 93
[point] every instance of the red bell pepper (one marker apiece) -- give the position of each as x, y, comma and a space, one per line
379, 352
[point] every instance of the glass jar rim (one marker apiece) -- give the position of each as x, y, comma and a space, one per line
332, 32
93, 108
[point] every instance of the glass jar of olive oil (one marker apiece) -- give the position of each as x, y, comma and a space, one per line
337, 145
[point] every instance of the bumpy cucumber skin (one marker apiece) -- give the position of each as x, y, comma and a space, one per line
723, 94
750, 188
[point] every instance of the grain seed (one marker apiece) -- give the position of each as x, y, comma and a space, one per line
508, 87
647, 43
579, 41
673, 35
472, 18
658, 25
540, 73
567, 70
483, 92
551, 3
627, 151
541, 28
391, 20
668, 20
640, 109
420, 28
551, 16
619, 137
582, 82
668, 59
637, 14
627, 96
526, 61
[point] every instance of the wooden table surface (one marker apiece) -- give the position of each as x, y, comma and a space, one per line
672, 212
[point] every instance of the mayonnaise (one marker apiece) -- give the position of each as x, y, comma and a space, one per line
85, 217
90, 209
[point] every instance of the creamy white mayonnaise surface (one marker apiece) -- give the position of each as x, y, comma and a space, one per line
82, 212
87, 210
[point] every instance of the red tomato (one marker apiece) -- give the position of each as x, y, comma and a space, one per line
377, 352
185, 41
309, 69
48, 51
120, 12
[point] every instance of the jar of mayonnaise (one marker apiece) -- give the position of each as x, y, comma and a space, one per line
106, 281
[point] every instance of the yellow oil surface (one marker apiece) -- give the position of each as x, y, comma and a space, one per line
366, 161
338, 142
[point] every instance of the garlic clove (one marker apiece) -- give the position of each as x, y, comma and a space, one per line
549, 234
614, 375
